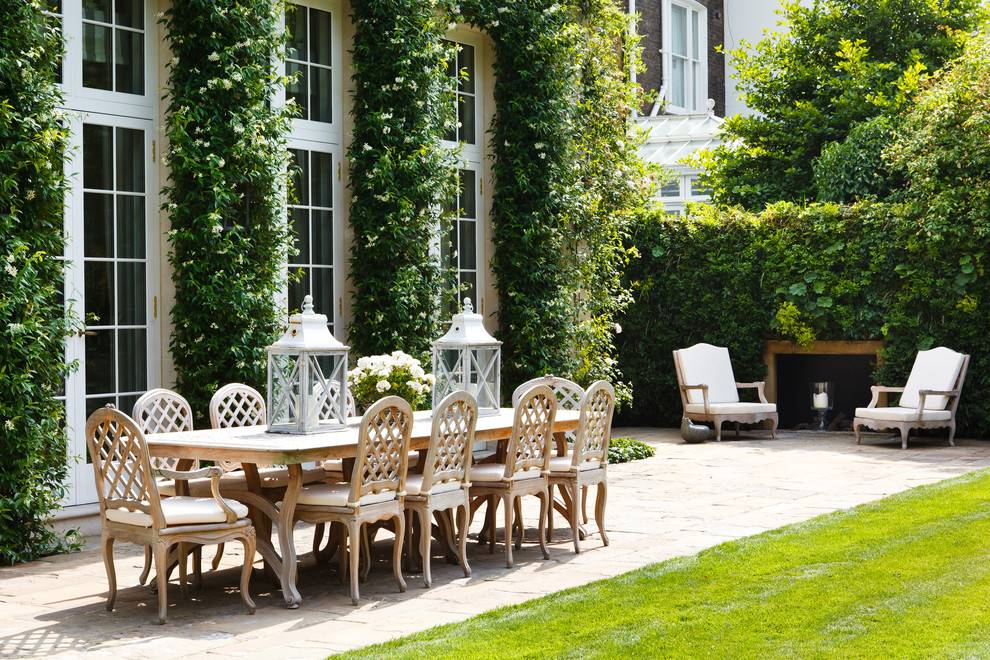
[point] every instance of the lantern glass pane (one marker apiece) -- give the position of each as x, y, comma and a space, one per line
285, 389
451, 376
329, 387
484, 377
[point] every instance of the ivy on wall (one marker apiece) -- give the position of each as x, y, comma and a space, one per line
400, 173
33, 322
226, 192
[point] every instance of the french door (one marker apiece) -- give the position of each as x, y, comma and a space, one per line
111, 276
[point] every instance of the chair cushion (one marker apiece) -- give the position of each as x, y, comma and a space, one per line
489, 472
937, 369
740, 408
901, 414
704, 364
563, 464
181, 510
414, 486
338, 494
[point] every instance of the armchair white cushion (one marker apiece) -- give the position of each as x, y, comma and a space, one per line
936, 369
901, 414
704, 364
740, 407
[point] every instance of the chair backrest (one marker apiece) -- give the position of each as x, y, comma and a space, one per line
236, 405
121, 464
595, 425
163, 411
448, 458
328, 404
568, 392
532, 431
936, 369
704, 364
383, 449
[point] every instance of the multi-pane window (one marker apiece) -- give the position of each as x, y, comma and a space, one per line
459, 249
685, 78
54, 13
308, 61
114, 266
113, 45
311, 215
463, 68
671, 189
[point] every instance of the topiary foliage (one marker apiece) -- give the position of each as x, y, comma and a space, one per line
33, 322
228, 167
400, 173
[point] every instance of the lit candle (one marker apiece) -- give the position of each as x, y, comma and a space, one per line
821, 400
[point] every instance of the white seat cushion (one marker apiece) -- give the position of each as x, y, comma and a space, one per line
496, 472
414, 486
181, 510
740, 408
937, 369
563, 464
338, 494
704, 364
901, 414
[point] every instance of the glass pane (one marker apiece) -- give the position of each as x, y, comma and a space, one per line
132, 361
320, 94
300, 176
54, 6
698, 189
297, 88
97, 157
298, 289
319, 30
126, 403
98, 225
100, 363
678, 93
465, 116
99, 292
97, 42
451, 58
321, 179
671, 189
130, 62
694, 34
300, 223
323, 291
129, 13
469, 207
130, 161
465, 64
468, 254
131, 293
295, 27
323, 238
130, 227
678, 30
469, 287
96, 10
696, 82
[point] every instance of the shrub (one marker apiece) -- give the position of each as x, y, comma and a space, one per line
396, 374
623, 450
855, 168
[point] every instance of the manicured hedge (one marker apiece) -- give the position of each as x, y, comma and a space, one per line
868, 271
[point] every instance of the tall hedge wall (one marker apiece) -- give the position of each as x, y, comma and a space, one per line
869, 271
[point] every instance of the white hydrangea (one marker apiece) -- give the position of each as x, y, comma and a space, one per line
383, 386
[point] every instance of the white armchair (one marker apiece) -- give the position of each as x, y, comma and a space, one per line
928, 400
709, 391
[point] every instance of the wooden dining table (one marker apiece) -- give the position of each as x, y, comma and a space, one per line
254, 446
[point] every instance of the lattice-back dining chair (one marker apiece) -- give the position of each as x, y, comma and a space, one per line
443, 486
376, 488
235, 405
132, 510
585, 465
525, 469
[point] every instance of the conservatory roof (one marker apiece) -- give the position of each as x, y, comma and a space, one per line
673, 138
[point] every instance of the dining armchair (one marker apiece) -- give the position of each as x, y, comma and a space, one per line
587, 462
132, 510
929, 399
709, 391
376, 490
443, 487
525, 469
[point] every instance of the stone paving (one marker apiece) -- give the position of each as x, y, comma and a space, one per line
683, 500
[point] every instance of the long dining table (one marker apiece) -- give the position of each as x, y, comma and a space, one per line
254, 446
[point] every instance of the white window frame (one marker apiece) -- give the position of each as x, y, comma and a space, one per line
685, 195
699, 85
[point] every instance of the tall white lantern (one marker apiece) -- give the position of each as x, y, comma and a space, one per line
468, 358
301, 367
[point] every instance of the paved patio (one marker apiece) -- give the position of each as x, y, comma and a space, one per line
683, 500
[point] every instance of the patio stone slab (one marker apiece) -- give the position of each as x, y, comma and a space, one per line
683, 500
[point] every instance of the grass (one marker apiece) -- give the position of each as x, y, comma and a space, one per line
908, 576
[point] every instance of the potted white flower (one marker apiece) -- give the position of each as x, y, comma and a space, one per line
396, 373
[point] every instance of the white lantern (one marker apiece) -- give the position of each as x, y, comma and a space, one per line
302, 365
468, 358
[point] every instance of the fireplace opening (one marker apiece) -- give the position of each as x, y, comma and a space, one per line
850, 377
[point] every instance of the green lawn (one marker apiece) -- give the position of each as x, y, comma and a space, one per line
908, 576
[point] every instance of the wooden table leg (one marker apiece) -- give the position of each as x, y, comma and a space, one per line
561, 440
286, 541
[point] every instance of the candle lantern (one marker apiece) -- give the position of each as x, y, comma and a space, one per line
821, 402
468, 358
307, 376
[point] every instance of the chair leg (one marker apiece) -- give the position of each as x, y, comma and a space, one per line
491, 524
518, 518
425, 541
410, 517
198, 566
509, 505
573, 511
249, 541
161, 578
400, 524
718, 431
354, 554
550, 488
365, 553
317, 540
952, 434
905, 432
465, 526
183, 570
584, 504
600, 499
773, 428
146, 571
111, 571
545, 504
859, 440
217, 557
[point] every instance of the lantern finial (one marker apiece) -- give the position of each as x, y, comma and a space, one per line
307, 306
468, 306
